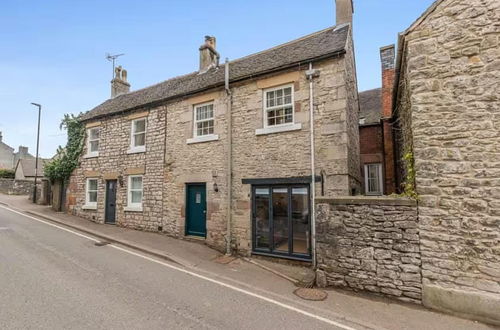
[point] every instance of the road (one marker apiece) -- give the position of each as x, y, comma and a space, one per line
55, 278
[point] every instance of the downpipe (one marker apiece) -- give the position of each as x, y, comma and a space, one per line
311, 74
229, 159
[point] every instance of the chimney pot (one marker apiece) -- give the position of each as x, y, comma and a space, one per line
344, 10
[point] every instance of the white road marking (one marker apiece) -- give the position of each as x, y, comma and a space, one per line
229, 286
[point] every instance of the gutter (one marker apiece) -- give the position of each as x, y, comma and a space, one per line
157, 103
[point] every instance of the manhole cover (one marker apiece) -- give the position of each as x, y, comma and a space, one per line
310, 294
101, 243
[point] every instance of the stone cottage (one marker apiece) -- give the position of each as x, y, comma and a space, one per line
447, 106
9, 157
233, 153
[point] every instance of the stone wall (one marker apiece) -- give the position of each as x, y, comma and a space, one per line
449, 107
369, 244
114, 162
16, 187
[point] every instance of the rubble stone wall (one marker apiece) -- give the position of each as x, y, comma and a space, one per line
369, 244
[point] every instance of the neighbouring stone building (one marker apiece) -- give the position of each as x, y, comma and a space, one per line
225, 153
9, 158
448, 114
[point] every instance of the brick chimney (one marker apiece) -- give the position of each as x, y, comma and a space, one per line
387, 58
209, 58
119, 84
344, 10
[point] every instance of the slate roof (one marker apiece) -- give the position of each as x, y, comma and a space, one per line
370, 106
315, 46
28, 166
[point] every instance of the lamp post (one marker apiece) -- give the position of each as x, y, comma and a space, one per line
37, 143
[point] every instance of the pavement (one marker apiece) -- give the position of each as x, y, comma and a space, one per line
52, 267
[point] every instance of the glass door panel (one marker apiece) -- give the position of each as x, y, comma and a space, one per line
262, 223
300, 220
280, 219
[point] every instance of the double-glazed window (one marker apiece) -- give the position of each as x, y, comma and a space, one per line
373, 179
204, 119
281, 220
138, 135
91, 193
135, 191
278, 106
93, 141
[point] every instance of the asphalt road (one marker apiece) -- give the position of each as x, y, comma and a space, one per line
51, 278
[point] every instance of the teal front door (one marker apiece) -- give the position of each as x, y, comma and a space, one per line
196, 209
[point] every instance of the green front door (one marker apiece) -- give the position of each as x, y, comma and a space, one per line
196, 209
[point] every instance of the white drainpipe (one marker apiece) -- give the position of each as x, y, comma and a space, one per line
229, 175
311, 74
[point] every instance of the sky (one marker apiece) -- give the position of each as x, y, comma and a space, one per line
53, 52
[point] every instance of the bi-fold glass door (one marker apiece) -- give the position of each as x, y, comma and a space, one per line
281, 220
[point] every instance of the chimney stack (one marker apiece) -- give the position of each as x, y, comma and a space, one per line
119, 84
387, 58
22, 151
344, 10
209, 58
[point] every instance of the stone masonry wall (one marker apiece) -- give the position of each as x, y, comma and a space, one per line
16, 187
450, 104
114, 162
370, 244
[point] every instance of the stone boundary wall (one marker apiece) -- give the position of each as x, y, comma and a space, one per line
370, 244
16, 187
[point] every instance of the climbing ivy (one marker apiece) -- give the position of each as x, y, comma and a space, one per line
67, 159
409, 184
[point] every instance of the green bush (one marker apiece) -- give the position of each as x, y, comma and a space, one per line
7, 174
60, 167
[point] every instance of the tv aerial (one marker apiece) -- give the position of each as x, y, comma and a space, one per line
112, 58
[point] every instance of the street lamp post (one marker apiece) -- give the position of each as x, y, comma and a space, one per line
37, 143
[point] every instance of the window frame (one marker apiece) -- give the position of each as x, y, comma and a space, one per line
133, 133
380, 179
130, 204
91, 153
195, 121
88, 203
267, 109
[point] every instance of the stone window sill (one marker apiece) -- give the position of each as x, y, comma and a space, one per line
136, 150
91, 155
204, 138
132, 209
89, 207
278, 129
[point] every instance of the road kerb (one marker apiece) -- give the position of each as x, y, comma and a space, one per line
112, 239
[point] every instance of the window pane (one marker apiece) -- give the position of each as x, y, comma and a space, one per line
140, 139
280, 219
92, 196
94, 134
373, 178
94, 146
136, 196
262, 218
92, 185
300, 220
136, 182
139, 126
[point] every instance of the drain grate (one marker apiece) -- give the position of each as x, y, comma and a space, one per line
102, 243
